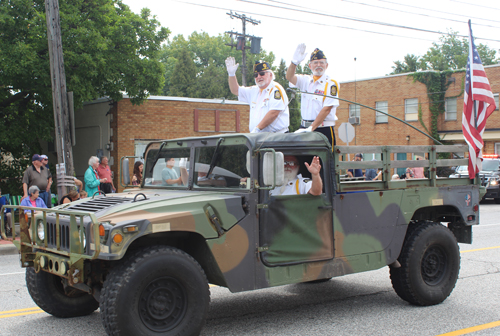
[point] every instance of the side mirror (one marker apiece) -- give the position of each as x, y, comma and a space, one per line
125, 172
273, 169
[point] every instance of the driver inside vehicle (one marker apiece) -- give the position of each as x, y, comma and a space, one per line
296, 184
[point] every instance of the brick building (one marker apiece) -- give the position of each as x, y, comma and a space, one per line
118, 129
401, 97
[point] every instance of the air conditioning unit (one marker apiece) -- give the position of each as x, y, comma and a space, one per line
354, 120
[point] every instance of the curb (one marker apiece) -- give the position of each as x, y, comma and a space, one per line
8, 249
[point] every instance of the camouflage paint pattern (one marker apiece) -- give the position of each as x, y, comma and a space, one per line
257, 241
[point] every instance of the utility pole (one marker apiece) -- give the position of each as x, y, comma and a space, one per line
63, 136
241, 44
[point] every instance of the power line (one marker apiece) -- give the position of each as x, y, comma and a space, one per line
421, 14
309, 22
433, 10
360, 20
471, 4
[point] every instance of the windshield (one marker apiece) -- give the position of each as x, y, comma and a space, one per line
170, 168
490, 165
229, 167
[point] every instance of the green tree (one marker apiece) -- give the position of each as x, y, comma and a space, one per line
107, 50
182, 83
208, 54
450, 53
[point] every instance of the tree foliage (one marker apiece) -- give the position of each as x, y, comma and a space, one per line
208, 54
107, 50
450, 53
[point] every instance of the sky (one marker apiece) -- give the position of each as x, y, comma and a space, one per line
361, 38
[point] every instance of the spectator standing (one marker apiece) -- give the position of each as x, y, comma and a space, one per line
318, 112
267, 99
7, 214
356, 172
137, 177
37, 175
91, 178
104, 172
45, 162
372, 174
418, 172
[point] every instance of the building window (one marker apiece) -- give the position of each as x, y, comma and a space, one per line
354, 112
450, 109
496, 100
380, 117
411, 109
220, 121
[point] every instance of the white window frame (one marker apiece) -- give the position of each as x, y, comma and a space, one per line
450, 112
381, 118
354, 111
411, 109
495, 96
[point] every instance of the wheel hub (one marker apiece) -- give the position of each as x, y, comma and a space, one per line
434, 264
162, 304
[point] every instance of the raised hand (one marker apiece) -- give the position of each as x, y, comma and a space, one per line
300, 54
231, 66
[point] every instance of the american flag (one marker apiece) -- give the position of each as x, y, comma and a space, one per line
478, 97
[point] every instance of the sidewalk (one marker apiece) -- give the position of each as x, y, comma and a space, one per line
7, 247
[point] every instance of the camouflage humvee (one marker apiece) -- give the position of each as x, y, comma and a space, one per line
147, 255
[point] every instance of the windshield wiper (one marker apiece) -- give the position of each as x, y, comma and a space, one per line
214, 157
157, 157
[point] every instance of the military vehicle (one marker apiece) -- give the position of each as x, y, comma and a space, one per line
204, 215
489, 176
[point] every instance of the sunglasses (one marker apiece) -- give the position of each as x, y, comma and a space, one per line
291, 163
262, 73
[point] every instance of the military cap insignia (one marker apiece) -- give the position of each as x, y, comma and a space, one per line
261, 66
333, 90
317, 54
277, 94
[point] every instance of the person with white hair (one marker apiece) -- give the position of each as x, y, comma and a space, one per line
267, 99
295, 183
91, 178
33, 200
317, 110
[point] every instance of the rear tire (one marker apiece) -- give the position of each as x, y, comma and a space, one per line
47, 291
430, 262
155, 291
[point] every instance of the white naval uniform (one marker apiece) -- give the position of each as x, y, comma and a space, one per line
271, 98
295, 187
311, 105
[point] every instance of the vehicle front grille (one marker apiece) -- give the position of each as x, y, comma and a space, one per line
63, 235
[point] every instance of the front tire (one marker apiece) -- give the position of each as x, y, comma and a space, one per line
155, 291
430, 262
48, 292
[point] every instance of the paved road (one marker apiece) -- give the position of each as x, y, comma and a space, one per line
359, 304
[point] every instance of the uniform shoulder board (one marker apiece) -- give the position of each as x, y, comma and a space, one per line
333, 90
307, 180
277, 94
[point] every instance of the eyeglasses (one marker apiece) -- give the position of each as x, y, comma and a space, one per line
262, 73
291, 163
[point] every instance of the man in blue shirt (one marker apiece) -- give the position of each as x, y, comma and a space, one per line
356, 172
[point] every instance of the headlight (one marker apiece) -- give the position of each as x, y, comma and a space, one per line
40, 230
493, 183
